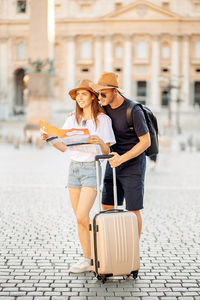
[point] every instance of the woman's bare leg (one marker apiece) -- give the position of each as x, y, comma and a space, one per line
74, 194
86, 201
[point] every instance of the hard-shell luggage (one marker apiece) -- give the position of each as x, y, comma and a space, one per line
114, 238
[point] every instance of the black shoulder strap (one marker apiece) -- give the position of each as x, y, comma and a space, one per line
130, 107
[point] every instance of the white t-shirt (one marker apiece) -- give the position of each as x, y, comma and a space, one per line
86, 153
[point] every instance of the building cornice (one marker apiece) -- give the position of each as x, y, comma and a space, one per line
101, 21
14, 22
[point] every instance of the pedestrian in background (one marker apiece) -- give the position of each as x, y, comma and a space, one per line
82, 170
190, 143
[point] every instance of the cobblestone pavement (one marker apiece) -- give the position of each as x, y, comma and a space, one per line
38, 238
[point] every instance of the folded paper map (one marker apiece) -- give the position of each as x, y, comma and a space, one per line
69, 137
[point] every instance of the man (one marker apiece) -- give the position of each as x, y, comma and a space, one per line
129, 157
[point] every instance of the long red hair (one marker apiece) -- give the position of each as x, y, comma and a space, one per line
96, 109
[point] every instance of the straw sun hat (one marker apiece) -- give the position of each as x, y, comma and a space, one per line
84, 84
107, 80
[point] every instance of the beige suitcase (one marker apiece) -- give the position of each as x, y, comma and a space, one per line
114, 238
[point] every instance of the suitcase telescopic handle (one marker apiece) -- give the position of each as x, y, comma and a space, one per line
97, 159
103, 156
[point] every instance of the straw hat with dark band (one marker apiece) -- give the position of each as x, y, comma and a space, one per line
83, 85
107, 80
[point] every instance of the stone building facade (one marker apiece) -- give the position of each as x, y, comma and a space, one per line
153, 45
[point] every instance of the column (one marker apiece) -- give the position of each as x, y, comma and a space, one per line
155, 70
40, 84
186, 70
71, 52
3, 79
51, 31
70, 69
108, 60
174, 72
97, 58
127, 66
4, 8
42, 21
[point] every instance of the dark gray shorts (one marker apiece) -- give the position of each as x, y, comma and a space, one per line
130, 185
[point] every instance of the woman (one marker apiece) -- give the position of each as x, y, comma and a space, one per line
82, 174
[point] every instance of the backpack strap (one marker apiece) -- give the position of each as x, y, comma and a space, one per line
129, 110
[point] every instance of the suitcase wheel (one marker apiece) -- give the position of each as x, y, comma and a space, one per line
134, 274
103, 278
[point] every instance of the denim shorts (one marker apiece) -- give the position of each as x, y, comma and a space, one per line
82, 174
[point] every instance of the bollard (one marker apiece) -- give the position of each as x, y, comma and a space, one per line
16, 143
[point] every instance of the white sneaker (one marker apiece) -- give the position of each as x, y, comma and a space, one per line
83, 265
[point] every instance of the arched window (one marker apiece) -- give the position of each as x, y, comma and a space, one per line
21, 51
197, 49
86, 52
165, 52
118, 52
142, 50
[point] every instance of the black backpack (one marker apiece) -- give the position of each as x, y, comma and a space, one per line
151, 123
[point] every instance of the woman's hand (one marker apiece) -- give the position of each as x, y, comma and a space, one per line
60, 146
94, 139
43, 136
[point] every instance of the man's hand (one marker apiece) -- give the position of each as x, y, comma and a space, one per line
116, 160
71, 114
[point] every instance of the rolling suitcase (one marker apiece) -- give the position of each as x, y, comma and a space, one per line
114, 238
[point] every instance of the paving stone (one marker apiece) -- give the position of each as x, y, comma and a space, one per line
71, 294
43, 289
42, 298
96, 298
131, 298
7, 298
81, 298
139, 294
114, 298
17, 293
24, 298
10, 289
150, 298
156, 294
185, 298
168, 298
59, 298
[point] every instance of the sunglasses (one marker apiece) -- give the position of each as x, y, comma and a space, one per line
102, 95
